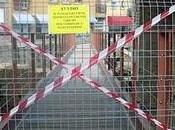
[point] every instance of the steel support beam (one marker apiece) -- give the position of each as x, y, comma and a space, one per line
134, 73
50, 48
15, 70
56, 46
43, 58
122, 61
109, 43
33, 75
164, 77
114, 57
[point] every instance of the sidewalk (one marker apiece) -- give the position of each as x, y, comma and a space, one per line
77, 106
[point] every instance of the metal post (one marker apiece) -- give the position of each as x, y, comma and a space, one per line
164, 83
122, 61
15, 70
106, 42
56, 46
114, 57
109, 67
134, 73
33, 61
43, 57
60, 45
101, 41
50, 49
169, 76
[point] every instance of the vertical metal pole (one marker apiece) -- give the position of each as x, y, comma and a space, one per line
122, 61
96, 41
109, 67
50, 49
169, 76
59, 46
62, 44
161, 91
15, 70
103, 41
134, 72
100, 39
106, 42
56, 46
33, 61
164, 83
43, 57
114, 57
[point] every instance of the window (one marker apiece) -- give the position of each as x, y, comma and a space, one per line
113, 1
24, 5
122, 4
53, 1
65, 1
115, 4
78, 1
21, 5
3, 1
100, 8
2, 18
130, 12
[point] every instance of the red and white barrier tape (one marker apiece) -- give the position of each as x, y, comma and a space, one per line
130, 106
76, 71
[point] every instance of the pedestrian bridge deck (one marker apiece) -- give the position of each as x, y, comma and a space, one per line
77, 106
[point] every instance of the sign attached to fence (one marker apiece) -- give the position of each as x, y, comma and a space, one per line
64, 19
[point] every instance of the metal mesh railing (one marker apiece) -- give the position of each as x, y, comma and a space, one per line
142, 71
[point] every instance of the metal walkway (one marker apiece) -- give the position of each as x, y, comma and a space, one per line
77, 106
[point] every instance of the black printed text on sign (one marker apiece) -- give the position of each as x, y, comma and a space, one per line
64, 19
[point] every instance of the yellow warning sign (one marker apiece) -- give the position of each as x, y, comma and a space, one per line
68, 19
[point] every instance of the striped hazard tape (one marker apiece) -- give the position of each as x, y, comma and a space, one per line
76, 71
130, 106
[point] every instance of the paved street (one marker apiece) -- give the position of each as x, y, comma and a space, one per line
77, 106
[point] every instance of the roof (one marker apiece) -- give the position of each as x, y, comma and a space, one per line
42, 18
23, 18
119, 20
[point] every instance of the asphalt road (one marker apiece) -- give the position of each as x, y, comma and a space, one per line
77, 106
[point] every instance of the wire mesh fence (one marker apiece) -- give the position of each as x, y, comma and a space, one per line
142, 71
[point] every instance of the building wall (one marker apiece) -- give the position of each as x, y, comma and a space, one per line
38, 6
